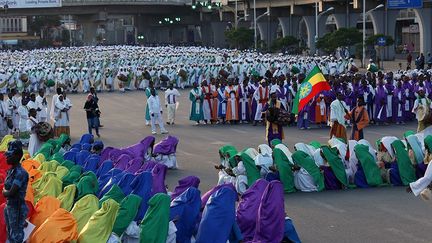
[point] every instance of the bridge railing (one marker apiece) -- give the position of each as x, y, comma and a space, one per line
118, 2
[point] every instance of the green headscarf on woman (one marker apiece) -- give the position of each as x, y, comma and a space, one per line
305, 161
283, 165
154, 226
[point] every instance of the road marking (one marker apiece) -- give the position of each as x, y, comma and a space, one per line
327, 206
405, 234
219, 143
238, 130
405, 216
184, 152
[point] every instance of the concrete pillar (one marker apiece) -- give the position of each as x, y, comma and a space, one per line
425, 18
218, 34
267, 31
390, 30
88, 28
290, 25
310, 26
340, 20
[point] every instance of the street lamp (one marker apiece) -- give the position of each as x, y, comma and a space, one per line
317, 16
267, 13
364, 28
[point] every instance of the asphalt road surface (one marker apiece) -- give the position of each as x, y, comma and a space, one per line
386, 214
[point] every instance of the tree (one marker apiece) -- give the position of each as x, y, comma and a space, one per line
339, 38
240, 38
284, 43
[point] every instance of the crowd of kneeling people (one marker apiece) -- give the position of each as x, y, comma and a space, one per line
89, 193
336, 165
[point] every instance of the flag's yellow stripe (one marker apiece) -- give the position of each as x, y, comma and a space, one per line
316, 79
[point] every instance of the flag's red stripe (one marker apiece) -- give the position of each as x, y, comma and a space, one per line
317, 88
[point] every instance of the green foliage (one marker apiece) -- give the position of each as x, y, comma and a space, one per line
241, 38
339, 38
284, 43
372, 40
37, 23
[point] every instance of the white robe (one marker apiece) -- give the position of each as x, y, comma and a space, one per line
61, 117
34, 142
418, 186
42, 115
304, 182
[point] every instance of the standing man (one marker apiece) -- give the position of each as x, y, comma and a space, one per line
196, 97
155, 110
42, 105
261, 96
15, 187
148, 94
359, 119
96, 99
171, 97
207, 102
92, 109
338, 110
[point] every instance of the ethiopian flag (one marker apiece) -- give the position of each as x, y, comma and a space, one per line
311, 86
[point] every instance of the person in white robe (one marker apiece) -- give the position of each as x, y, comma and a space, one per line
23, 111
419, 186
264, 159
34, 142
59, 91
171, 103
61, 116
155, 111
42, 106
3, 116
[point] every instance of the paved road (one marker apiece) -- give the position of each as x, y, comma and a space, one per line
361, 215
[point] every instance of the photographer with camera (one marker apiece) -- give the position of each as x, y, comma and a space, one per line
92, 111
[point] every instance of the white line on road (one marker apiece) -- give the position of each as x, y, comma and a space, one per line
405, 216
238, 130
402, 233
327, 206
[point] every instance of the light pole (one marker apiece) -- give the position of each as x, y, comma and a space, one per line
364, 28
317, 16
255, 24
235, 14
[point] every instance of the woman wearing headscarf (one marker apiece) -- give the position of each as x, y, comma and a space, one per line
334, 170
264, 159
154, 226
218, 219
368, 173
270, 225
283, 164
185, 210
247, 209
386, 158
403, 164
307, 177
416, 153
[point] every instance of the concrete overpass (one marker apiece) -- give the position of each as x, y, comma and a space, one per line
146, 18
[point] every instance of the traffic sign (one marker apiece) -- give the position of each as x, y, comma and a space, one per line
381, 41
401, 4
